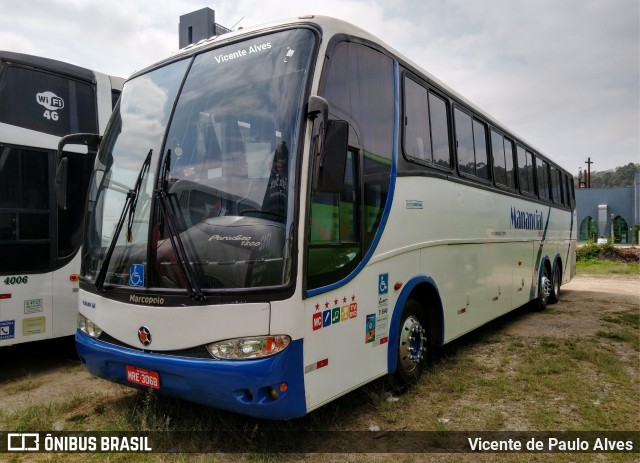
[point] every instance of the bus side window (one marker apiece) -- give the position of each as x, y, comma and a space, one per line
25, 237
426, 133
543, 178
525, 171
556, 186
502, 156
334, 244
471, 142
70, 220
358, 85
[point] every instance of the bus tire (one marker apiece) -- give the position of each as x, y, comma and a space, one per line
544, 290
412, 344
554, 296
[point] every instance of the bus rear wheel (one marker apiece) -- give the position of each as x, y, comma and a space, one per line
544, 289
412, 344
554, 295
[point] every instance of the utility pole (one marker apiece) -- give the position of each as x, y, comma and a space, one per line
588, 162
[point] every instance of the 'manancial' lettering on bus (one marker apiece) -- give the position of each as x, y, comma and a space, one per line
524, 220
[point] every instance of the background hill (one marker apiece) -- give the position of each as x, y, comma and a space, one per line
615, 178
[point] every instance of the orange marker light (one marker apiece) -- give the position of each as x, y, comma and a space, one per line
74, 277
398, 285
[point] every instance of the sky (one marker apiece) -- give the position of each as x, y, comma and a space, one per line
563, 74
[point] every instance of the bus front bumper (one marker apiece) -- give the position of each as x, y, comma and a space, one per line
241, 386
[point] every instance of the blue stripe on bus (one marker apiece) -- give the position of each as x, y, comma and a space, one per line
222, 384
387, 206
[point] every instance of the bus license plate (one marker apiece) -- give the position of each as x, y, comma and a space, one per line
142, 377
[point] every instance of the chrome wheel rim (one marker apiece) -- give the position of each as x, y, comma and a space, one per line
545, 283
412, 346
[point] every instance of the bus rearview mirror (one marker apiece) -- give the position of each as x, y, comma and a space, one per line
330, 169
89, 140
330, 140
88, 145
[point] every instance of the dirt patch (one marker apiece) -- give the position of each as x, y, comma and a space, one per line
49, 372
583, 304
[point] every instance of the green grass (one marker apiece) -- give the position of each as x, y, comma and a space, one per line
28, 383
602, 267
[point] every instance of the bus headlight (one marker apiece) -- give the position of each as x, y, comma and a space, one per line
88, 327
248, 348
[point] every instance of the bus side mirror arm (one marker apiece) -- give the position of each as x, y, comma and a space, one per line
329, 147
91, 141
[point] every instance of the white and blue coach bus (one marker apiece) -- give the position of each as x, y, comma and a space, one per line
42, 100
280, 215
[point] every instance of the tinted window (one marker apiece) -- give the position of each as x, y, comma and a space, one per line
480, 145
502, 152
509, 164
426, 129
525, 171
556, 186
497, 151
360, 84
24, 210
570, 192
70, 218
439, 130
46, 102
417, 137
471, 142
543, 179
464, 143
24, 178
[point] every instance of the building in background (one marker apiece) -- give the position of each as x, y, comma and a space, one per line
606, 212
199, 25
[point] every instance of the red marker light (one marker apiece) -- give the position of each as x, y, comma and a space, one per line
74, 277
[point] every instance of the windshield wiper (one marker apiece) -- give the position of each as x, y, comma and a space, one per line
182, 259
130, 208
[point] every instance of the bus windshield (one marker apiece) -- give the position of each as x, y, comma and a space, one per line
212, 207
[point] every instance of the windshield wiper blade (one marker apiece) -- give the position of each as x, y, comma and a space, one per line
179, 251
130, 208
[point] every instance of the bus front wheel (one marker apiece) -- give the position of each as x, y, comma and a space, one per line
412, 344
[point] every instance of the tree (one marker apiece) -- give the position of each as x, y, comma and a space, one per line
619, 177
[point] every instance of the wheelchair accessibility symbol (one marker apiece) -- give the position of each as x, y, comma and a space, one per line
383, 283
136, 275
